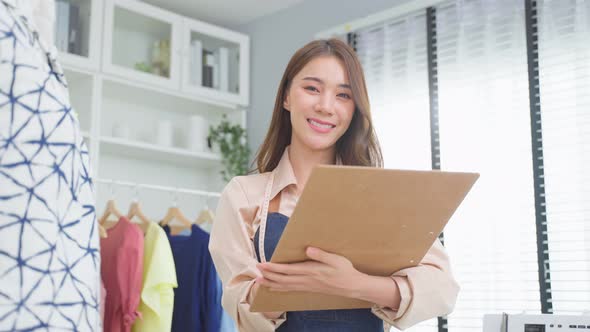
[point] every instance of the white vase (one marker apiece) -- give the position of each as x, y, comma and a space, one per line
164, 133
121, 131
198, 132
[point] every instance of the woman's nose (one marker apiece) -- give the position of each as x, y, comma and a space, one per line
325, 104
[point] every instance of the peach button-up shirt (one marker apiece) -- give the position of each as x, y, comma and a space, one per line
427, 290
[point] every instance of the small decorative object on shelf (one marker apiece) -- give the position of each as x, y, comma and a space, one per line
160, 62
142, 66
231, 140
165, 133
161, 57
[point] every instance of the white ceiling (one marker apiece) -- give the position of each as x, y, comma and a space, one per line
228, 13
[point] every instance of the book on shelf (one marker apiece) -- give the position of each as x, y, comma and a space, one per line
196, 62
234, 70
216, 68
62, 21
68, 25
74, 38
223, 62
215, 64
208, 68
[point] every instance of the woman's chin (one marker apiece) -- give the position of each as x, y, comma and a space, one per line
319, 145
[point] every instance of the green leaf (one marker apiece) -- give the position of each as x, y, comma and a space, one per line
231, 140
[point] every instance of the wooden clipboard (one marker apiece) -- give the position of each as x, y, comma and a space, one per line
383, 220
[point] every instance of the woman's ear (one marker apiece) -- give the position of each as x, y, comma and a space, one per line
286, 102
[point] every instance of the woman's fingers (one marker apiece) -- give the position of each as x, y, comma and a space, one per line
280, 286
304, 268
280, 268
323, 256
313, 276
278, 277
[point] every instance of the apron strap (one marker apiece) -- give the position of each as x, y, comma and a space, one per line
263, 217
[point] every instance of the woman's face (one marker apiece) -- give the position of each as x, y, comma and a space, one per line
320, 102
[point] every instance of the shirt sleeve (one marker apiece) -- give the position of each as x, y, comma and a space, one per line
233, 254
129, 272
427, 290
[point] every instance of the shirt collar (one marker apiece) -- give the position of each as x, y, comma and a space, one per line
284, 175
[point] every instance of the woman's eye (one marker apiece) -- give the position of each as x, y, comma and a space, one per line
345, 95
311, 88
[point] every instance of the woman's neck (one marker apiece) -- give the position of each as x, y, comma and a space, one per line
303, 160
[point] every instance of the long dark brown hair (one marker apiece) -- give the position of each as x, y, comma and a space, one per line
359, 145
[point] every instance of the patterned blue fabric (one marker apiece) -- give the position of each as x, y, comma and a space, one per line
49, 247
343, 320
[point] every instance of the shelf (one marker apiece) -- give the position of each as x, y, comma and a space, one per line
130, 88
141, 150
74, 73
134, 88
76, 62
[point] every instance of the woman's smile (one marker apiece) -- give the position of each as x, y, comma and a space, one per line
320, 126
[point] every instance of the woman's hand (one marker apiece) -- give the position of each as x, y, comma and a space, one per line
325, 273
269, 314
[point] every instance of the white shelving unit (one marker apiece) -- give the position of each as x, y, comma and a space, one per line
84, 51
236, 48
134, 33
130, 76
148, 151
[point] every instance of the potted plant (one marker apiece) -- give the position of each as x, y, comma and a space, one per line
231, 140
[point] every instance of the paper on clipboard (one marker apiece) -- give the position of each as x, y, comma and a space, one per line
383, 220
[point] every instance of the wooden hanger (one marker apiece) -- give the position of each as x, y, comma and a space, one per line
110, 209
205, 216
102, 232
135, 211
174, 213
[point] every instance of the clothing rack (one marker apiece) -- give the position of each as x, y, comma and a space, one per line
207, 194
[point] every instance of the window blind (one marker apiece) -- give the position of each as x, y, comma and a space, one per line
394, 58
484, 120
485, 126
564, 65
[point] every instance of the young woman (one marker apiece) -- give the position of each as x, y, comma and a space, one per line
321, 116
